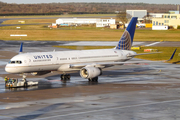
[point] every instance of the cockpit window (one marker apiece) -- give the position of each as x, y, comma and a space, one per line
12, 62
15, 62
18, 62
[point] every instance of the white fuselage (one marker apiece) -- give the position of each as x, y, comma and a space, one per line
61, 60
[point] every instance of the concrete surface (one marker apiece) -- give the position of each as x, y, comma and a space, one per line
148, 91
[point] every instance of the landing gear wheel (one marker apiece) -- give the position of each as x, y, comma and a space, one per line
65, 77
93, 79
25, 85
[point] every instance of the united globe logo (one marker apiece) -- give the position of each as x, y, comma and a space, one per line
124, 42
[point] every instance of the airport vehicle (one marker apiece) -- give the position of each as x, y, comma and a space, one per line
15, 83
89, 62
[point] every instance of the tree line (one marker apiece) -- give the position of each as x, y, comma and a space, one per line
80, 8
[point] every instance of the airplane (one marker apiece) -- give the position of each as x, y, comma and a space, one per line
89, 62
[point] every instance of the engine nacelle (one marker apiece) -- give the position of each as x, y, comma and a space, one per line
90, 72
40, 73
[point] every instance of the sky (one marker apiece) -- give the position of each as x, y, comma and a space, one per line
114, 1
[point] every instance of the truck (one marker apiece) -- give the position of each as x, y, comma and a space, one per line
15, 83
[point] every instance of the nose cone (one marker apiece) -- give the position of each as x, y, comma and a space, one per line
7, 69
10, 69
13, 69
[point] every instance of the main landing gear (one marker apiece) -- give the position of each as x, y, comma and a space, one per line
93, 79
65, 77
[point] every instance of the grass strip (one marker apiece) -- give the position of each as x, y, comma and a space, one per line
165, 54
29, 21
70, 15
42, 32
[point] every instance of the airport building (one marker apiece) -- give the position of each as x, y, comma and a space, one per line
174, 12
137, 13
170, 20
81, 21
155, 15
105, 22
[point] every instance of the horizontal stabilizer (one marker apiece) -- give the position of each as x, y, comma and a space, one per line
143, 54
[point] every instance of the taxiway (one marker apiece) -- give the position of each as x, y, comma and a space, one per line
130, 92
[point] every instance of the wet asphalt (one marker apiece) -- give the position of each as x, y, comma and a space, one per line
159, 102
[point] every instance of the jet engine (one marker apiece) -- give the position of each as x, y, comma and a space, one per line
40, 73
90, 72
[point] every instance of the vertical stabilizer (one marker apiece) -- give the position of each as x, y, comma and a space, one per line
126, 40
21, 48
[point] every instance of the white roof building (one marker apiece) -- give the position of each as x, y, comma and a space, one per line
105, 22
156, 15
75, 21
80, 21
137, 13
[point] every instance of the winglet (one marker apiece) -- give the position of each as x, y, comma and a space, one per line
21, 48
172, 56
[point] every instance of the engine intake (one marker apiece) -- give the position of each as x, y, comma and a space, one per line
90, 72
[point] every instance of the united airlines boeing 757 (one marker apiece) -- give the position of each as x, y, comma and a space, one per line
89, 62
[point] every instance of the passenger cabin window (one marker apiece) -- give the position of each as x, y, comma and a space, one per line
73, 58
63, 58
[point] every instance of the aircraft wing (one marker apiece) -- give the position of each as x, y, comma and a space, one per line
106, 64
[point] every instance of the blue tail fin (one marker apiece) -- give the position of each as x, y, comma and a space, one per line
126, 40
21, 48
